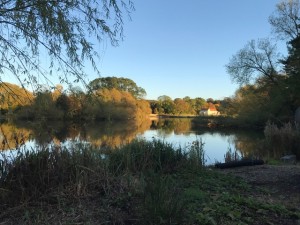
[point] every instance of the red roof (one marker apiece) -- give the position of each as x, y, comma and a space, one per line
212, 108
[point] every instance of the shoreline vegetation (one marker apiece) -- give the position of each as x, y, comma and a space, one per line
144, 182
217, 122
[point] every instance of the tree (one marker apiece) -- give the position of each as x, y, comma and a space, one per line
44, 107
199, 104
182, 107
210, 100
164, 98
63, 103
228, 107
255, 60
66, 30
121, 84
57, 92
292, 67
166, 105
77, 99
272, 95
285, 20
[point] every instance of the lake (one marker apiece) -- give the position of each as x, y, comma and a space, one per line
180, 132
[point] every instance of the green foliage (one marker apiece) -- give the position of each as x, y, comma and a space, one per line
179, 106
121, 84
165, 105
182, 107
196, 154
255, 104
163, 200
217, 199
228, 107
292, 67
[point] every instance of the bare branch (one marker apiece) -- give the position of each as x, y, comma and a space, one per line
286, 19
255, 60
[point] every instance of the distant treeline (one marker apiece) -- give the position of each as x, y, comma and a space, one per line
107, 98
181, 106
119, 99
97, 103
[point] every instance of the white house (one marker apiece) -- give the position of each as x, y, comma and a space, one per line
209, 111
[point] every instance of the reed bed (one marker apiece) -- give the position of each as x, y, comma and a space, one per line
136, 178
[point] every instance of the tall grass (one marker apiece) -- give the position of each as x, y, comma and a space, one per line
142, 155
32, 174
282, 140
196, 154
141, 171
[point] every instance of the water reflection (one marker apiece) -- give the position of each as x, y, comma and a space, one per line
172, 126
99, 134
177, 131
12, 137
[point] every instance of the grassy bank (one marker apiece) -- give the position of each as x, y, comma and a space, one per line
140, 183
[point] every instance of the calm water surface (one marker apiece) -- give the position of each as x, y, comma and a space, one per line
179, 132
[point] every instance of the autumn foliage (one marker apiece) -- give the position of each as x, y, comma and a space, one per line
103, 104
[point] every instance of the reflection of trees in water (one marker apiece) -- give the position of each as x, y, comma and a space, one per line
12, 137
168, 126
113, 134
99, 134
244, 142
248, 144
241, 143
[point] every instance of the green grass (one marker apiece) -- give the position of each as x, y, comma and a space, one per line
139, 183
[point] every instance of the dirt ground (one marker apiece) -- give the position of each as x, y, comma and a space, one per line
281, 182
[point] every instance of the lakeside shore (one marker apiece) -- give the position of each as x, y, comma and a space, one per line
171, 116
142, 183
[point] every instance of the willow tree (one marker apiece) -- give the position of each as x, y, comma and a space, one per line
39, 38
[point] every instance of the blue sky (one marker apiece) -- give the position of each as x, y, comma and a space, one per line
180, 48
